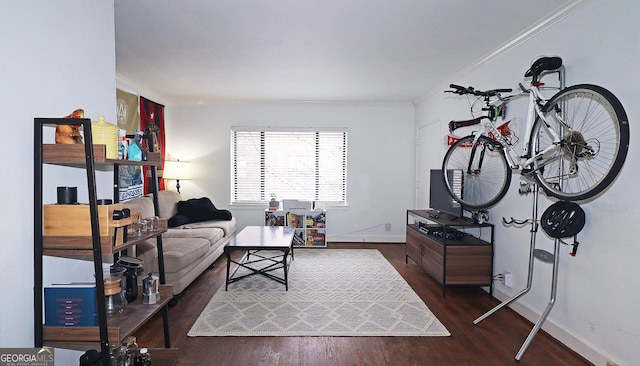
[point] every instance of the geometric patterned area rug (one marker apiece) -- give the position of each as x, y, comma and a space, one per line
332, 292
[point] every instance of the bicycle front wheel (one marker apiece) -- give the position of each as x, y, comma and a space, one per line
594, 139
476, 174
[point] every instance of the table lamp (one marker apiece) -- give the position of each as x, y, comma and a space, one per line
176, 170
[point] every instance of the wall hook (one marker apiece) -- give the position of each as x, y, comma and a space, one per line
513, 221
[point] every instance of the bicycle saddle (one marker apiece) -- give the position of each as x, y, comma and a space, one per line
543, 64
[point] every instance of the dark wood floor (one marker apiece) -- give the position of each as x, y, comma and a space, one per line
495, 341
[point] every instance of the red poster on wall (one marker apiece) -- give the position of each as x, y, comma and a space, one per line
152, 123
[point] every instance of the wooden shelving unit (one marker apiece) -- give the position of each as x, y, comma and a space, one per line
92, 246
438, 243
74, 155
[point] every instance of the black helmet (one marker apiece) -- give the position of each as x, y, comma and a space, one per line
562, 219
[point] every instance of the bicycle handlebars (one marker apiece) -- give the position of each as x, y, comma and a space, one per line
493, 111
461, 90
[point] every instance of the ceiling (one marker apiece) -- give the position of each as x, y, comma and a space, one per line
204, 51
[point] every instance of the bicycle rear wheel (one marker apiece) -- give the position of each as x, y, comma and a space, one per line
594, 132
476, 175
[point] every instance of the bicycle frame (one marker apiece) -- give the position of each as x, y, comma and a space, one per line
535, 100
574, 146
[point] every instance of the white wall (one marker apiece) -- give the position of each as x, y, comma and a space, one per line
597, 304
56, 57
380, 159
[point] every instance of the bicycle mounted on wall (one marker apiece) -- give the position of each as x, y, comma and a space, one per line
574, 146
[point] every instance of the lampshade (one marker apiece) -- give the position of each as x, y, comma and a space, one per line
176, 169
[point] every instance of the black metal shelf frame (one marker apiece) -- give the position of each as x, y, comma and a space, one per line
38, 253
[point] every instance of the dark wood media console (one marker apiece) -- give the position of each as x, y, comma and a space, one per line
439, 244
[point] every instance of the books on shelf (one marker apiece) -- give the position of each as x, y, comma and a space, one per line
292, 219
315, 238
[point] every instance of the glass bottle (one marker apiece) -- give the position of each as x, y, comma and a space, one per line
118, 356
130, 345
122, 145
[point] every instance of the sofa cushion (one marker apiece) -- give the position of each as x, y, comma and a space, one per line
167, 203
228, 227
184, 251
142, 205
179, 253
202, 209
211, 234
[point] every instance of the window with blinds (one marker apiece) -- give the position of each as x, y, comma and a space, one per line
303, 164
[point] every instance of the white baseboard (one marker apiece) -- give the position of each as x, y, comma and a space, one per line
558, 331
351, 238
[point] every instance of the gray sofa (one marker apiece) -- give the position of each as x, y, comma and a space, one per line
189, 249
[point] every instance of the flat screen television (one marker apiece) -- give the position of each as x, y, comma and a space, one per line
439, 198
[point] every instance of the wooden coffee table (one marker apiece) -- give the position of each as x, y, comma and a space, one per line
255, 241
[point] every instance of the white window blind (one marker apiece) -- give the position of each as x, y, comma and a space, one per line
304, 164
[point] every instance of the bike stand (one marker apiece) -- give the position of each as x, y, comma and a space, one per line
533, 253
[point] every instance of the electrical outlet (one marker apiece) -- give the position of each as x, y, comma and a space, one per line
507, 279
387, 226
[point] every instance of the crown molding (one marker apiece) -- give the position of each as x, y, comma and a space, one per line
553, 18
